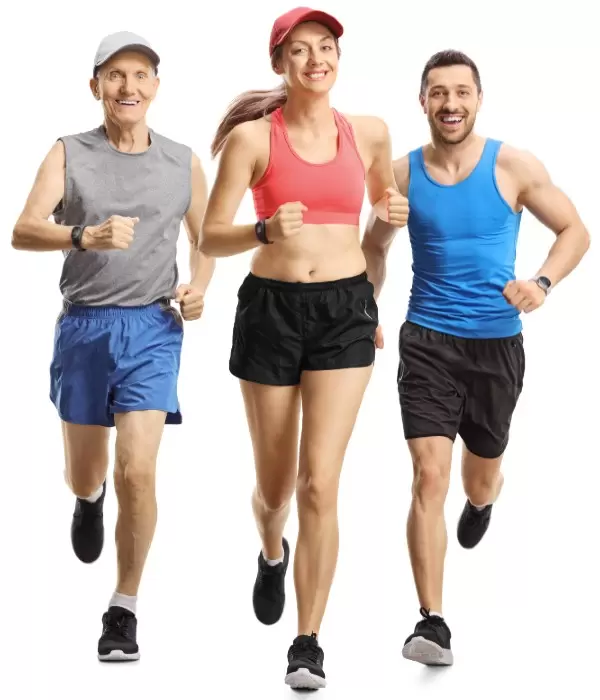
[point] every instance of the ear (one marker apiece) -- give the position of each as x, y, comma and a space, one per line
94, 88
480, 100
422, 103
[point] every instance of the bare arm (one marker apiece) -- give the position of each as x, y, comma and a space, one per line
202, 267
33, 231
554, 209
220, 238
379, 235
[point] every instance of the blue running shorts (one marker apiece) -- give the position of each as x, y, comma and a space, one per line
111, 360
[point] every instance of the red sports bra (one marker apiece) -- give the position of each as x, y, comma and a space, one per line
333, 192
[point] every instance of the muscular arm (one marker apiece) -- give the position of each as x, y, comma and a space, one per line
554, 209
379, 235
33, 231
202, 267
220, 238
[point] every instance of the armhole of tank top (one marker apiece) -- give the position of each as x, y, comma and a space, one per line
414, 162
495, 147
349, 133
272, 150
191, 194
64, 202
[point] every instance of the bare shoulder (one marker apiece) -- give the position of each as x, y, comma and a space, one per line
402, 174
526, 168
373, 129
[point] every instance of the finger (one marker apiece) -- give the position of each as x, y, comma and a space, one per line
392, 192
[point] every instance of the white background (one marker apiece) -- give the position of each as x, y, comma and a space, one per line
523, 606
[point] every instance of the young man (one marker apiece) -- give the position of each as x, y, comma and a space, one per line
462, 359
118, 195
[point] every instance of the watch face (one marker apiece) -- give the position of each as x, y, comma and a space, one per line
544, 282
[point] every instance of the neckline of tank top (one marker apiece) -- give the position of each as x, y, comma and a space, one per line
460, 182
101, 130
284, 130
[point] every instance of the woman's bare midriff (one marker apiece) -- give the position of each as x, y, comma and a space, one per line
319, 253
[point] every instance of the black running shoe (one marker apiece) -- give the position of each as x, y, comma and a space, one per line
305, 664
473, 524
118, 640
430, 642
87, 528
269, 589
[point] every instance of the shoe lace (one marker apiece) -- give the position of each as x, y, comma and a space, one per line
307, 648
119, 624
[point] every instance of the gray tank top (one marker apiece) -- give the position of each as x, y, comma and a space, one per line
101, 181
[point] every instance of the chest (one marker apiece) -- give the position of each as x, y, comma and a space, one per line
132, 187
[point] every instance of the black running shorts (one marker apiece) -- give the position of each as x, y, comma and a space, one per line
450, 385
284, 328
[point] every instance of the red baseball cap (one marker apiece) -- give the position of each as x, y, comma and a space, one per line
285, 24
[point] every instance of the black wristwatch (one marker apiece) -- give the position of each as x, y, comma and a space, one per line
543, 283
260, 229
76, 236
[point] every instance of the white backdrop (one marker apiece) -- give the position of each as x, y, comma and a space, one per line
522, 605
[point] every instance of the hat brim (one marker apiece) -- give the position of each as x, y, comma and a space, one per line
314, 16
138, 48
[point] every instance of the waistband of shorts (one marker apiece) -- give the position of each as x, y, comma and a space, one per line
266, 283
70, 309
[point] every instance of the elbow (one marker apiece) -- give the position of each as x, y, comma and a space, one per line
19, 236
207, 244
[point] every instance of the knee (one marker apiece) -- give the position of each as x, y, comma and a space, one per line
134, 475
431, 480
83, 482
316, 493
479, 487
272, 499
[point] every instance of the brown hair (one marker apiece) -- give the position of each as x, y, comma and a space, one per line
251, 105
444, 59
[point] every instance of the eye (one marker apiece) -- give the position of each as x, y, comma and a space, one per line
327, 47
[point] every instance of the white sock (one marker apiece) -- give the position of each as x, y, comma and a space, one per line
95, 496
485, 505
274, 562
129, 602
432, 613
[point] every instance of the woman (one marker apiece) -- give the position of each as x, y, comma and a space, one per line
306, 320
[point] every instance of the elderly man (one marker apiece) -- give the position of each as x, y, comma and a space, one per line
118, 195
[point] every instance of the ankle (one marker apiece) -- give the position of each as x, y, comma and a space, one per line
122, 600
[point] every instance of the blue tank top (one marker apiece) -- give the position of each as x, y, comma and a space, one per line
464, 241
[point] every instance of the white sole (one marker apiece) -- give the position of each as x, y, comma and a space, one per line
426, 652
303, 679
118, 655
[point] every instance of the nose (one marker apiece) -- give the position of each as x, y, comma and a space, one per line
314, 59
451, 103
127, 86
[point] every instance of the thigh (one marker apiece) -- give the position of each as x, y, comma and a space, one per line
493, 387
431, 398
267, 335
331, 400
273, 414
80, 370
148, 356
139, 434
340, 326
86, 447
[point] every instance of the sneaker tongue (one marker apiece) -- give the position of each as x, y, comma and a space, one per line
118, 610
306, 639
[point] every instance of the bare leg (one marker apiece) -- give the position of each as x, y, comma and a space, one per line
331, 401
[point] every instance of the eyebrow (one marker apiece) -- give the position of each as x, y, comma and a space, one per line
323, 38
444, 87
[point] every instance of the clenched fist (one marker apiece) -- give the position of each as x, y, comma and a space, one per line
286, 222
191, 302
116, 233
524, 295
397, 208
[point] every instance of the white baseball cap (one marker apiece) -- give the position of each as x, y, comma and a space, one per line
123, 41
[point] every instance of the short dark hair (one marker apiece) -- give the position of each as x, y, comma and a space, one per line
444, 59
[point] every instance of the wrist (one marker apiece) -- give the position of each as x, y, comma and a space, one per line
77, 233
87, 237
543, 282
262, 230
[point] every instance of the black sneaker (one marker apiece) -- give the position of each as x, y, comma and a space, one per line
305, 664
87, 528
118, 640
269, 589
473, 524
430, 642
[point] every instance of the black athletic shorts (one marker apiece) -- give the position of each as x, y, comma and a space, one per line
463, 386
284, 328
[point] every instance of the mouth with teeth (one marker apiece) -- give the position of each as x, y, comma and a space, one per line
451, 120
128, 103
315, 76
